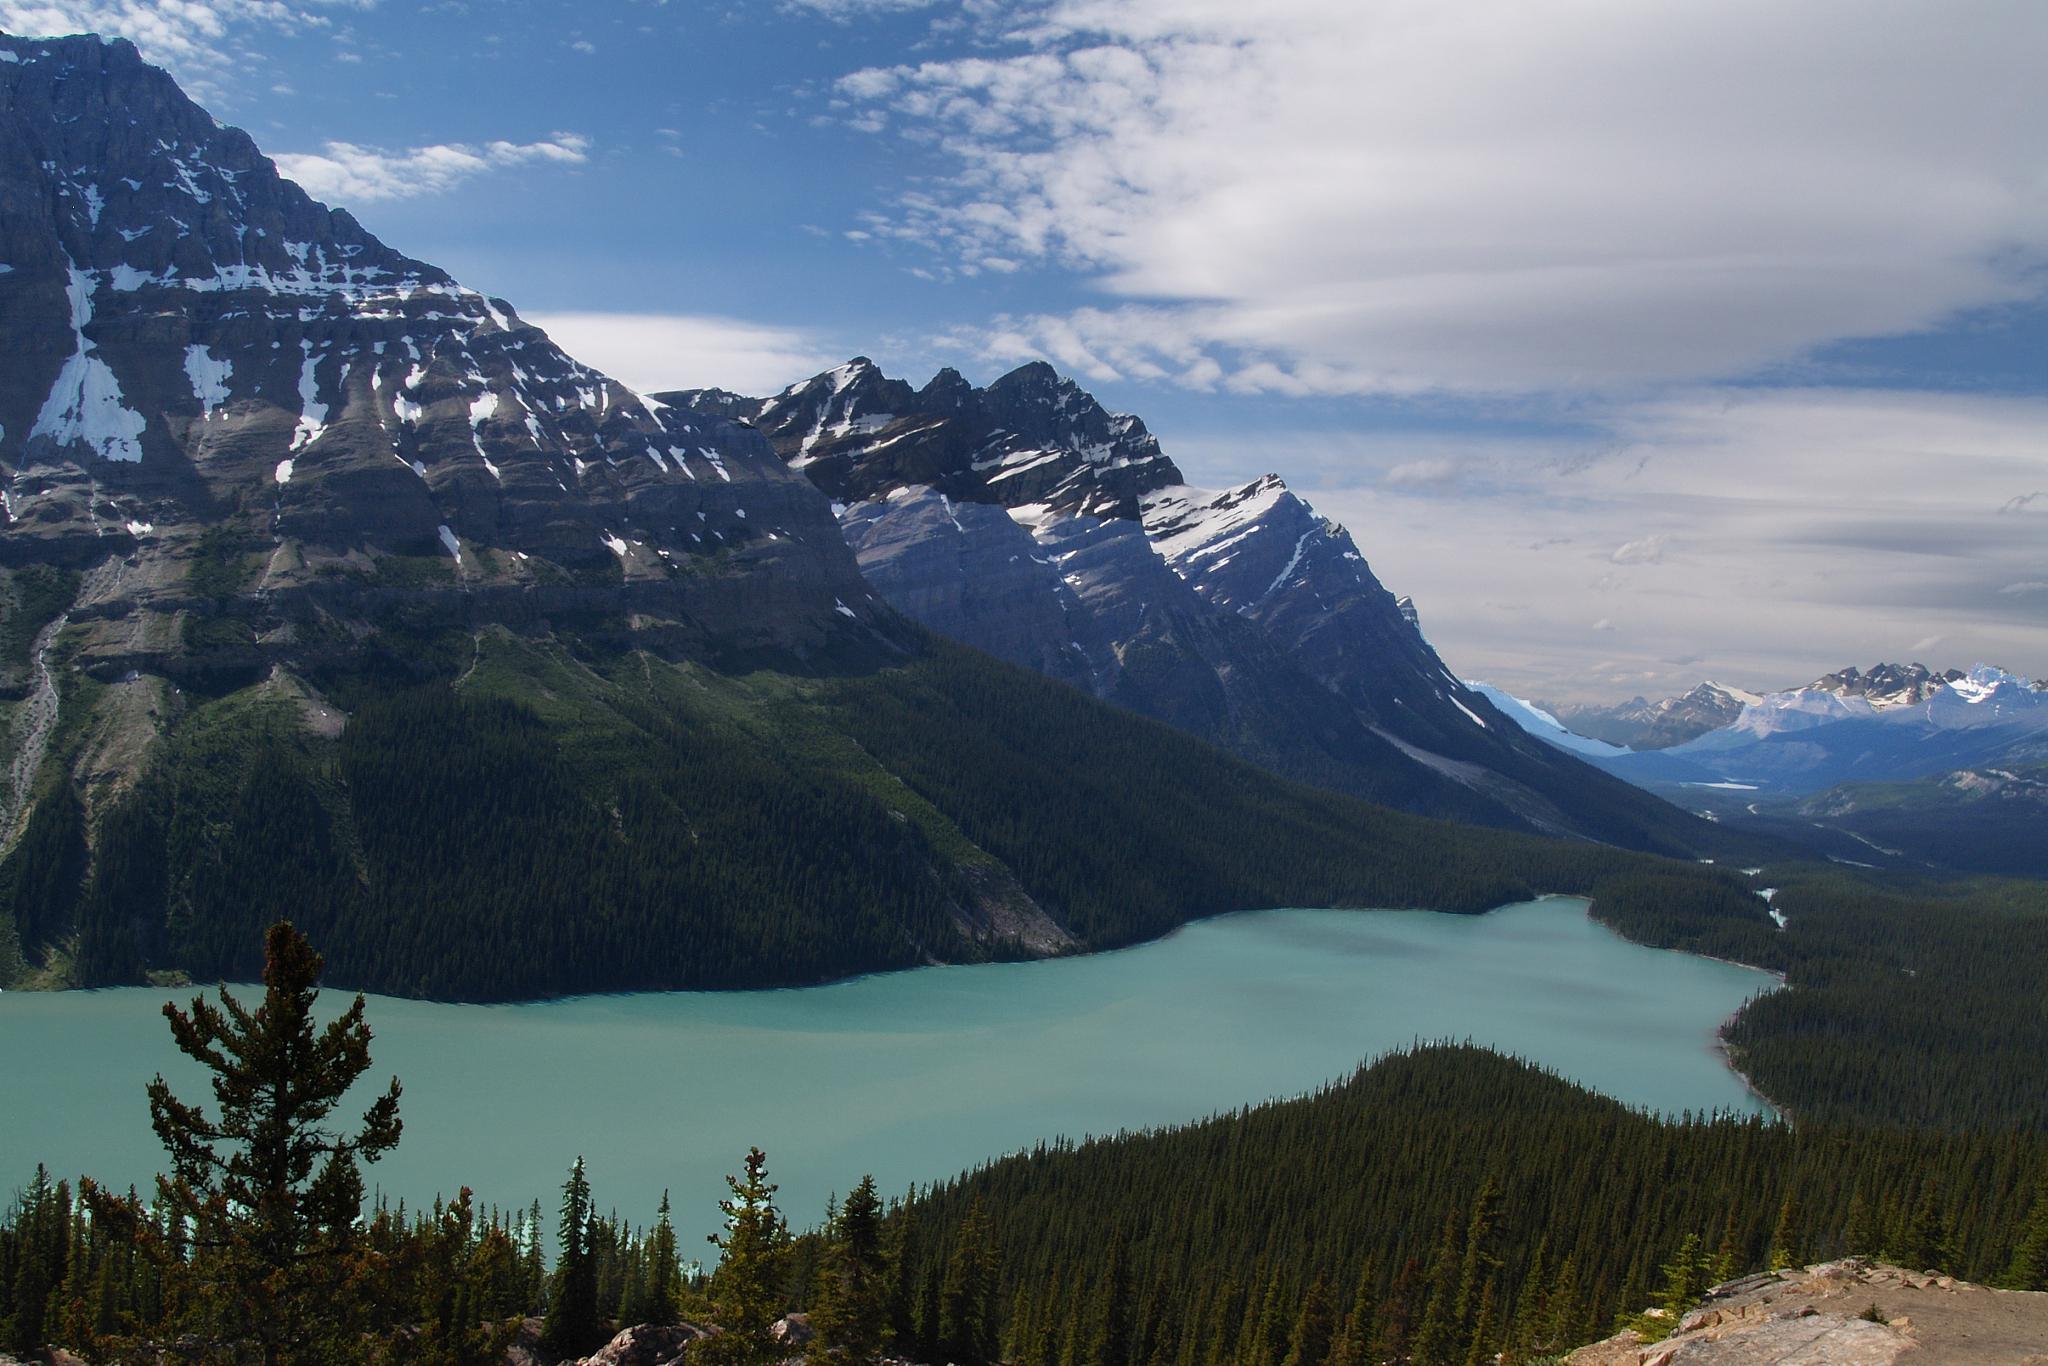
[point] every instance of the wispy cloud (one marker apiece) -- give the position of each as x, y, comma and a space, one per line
845, 11
1778, 534
195, 39
657, 351
1322, 196
344, 173
1647, 550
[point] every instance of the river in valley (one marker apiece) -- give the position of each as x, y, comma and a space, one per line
916, 1075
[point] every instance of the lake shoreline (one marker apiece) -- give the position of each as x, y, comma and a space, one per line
917, 1075
37, 989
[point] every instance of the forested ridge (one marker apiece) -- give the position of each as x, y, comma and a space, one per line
549, 826
542, 823
1439, 1206
1459, 1202
1914, 1001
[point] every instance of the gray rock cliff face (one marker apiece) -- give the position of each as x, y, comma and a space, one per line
1852, 1312
1029, 521
197, 348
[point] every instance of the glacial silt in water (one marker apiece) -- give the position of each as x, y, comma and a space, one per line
914, 1076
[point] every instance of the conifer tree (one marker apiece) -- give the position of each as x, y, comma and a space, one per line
1685, 1277
1569, 1314
904, 1254
1786, 1249
1924, 1245
967, 1318
1109, 1336
851, 1311
746, 1292
1354, 1343
1727, 1257
1859, 1230
2029, 1269
1527, 1337
661, 1300
1275, 1321
271, 1193
1314, 1327
533, 1277
1397, 1315
1483, 1334
1437, 1340
572, 1326
42, 1231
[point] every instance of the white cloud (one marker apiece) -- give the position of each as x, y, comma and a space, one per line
344, 173
1325, 196
1818, 528
656, 351
1648, 550
194, 39
845, 11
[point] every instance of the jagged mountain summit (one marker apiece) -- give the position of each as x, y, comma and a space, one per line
331, 589
1906, 696
196, 346
1887, 685
1027, 520
1642, 724
1892, 724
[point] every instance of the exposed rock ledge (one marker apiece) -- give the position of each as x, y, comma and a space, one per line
1848, 1313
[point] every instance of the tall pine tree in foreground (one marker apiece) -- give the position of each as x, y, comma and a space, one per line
572, 1326
850, 1310
746, 1292
269, 1193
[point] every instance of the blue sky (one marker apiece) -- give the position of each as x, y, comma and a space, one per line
1640, 343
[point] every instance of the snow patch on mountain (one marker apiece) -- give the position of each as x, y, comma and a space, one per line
1541, 723
85, 406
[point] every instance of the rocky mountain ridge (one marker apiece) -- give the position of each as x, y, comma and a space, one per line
1641, 724
248, 425
1886, 685
201, 340
332, 588
1027, 520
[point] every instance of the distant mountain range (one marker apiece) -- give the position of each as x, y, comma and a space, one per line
332, 588
1641, 724
1914, 763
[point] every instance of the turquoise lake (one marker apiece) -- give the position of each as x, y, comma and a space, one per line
916, 1075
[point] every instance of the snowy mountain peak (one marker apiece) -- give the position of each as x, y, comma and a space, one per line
1030, 438
1886, 685
196, 346
1711, 691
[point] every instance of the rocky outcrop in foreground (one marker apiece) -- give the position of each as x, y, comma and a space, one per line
1848, 1313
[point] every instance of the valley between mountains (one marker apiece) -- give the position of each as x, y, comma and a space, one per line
356, 637
334, 589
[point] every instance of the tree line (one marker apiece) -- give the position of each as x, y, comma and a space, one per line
1439, 1207
550, 828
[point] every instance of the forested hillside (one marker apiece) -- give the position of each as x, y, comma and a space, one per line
1437, 1207
1441, 1206
494, 816
1912, 1001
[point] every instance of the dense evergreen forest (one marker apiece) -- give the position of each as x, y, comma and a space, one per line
1447, 1203
1912, 1001
1438, 1207
545, 825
